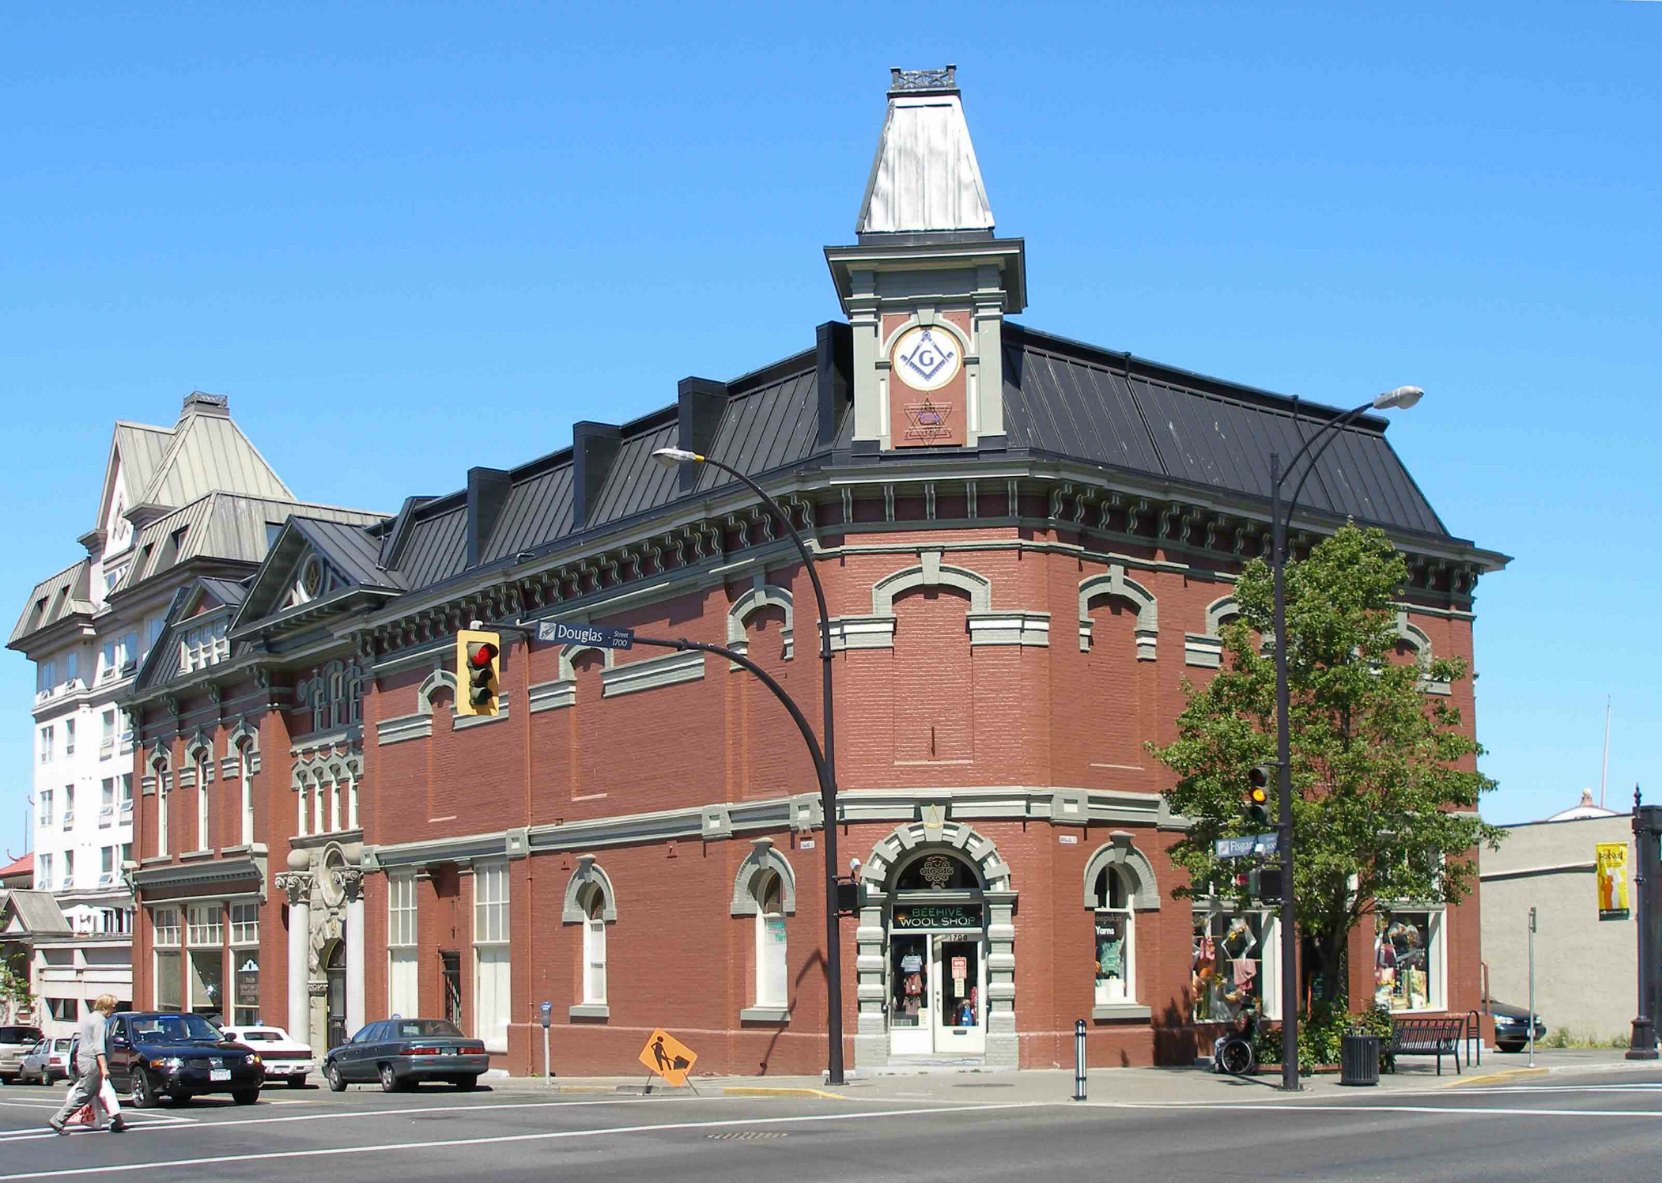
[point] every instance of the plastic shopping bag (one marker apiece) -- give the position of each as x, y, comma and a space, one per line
106, 1098
83, 1116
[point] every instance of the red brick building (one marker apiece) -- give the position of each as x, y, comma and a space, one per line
1027, 544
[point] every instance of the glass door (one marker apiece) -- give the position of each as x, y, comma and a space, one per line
911, 998
959, 996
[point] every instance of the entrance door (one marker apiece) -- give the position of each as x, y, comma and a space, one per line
960, 1026
334, 973
938, 989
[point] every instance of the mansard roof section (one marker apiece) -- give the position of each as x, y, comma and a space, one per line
1069, 399
54, 599
209, 453
136, 452
769, 420
924, 177
314, 565
225, 527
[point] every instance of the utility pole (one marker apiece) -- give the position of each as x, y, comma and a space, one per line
1647, 882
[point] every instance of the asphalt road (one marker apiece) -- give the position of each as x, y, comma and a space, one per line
1580, 1129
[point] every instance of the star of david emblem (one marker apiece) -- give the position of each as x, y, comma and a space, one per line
928, 356
928, 420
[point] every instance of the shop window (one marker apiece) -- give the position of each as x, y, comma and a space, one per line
1408, 960
1114, 946
169, 981
245, 924
1234, 966
594, 945
771, 979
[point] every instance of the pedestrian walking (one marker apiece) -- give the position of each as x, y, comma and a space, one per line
92, 1071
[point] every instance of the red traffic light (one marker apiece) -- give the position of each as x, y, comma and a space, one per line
480, 654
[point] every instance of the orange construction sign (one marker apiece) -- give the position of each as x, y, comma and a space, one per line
668, 1057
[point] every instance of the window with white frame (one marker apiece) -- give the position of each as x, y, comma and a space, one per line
170, 985
72, 667
106, 866
492, 1000
68, 806
245, 924
1114, 942
47, 739
69, 737
163, 809
106, 801
402, 983
204, 925
106, 731
68, 883
43, 873
203, 645
46, 676
124, 790
593, 903
1410, 959
108, 664
47, 805
771, 977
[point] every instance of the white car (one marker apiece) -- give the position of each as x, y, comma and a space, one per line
284, 1059
50, 1060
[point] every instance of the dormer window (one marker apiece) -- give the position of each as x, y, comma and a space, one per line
202, 646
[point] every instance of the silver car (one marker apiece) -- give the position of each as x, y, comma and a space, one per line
15, 1043
49, 1061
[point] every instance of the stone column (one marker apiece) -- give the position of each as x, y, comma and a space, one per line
297, 886
350, 881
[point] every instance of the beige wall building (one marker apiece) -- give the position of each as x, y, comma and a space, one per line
1585, 968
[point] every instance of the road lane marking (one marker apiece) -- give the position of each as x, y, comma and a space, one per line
498, 1140
1448, 1110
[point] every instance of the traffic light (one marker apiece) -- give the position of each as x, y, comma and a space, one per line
478, 663
1264, 883
1259, 780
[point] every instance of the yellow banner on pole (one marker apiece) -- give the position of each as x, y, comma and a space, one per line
1612, 870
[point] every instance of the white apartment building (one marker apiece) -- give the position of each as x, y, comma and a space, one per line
176, 503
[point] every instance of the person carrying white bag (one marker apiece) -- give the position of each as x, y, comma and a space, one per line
92, 1089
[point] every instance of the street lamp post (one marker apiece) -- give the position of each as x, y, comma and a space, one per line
1402, 397
826, 767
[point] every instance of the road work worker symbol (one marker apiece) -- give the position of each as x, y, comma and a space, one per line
668, 1057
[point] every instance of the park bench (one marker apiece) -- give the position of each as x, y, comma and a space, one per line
1427, 1037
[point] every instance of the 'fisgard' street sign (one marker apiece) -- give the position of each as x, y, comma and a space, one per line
599, 635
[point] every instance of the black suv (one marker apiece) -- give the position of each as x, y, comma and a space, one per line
156, 1054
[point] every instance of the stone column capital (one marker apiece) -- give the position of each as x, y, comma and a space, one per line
296, 885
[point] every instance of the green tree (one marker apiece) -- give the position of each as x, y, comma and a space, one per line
1385, 785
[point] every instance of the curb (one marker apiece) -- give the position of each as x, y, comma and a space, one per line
762, 1091
1492, 1077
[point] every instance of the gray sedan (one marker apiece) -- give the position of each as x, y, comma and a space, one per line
401, 1052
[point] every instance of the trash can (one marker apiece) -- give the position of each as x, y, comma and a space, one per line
1359, 1059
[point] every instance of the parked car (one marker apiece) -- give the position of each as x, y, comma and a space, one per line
48, 1061
400, 1052
1512, 1026
16, 1041
157, 1054
282, 1057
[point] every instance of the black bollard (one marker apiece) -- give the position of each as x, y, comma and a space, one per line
1079, 1060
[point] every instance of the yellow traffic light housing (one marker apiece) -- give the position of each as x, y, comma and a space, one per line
1259, 779
478, 667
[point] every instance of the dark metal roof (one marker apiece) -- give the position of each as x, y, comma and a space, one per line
1062, 398
354, 553
1073, 400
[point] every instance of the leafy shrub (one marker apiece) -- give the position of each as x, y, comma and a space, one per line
1321, 1031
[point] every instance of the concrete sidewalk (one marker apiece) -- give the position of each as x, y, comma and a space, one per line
1167, 1086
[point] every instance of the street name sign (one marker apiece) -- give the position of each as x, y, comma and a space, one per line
1246, 846
598, 635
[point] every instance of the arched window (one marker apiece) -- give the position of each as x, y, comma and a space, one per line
158, 768
301, 809
245, 779
204, 837
593, 902
1114, 944
771, 981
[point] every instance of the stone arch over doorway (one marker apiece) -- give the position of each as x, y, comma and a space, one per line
909, 846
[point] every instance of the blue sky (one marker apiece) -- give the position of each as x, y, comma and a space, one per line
410, 238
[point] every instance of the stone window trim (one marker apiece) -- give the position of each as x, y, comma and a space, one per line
434, 682
1114, 584
1415, 638
1119, 852
199, 761
761, 595
588, 873
982, 623
1205, 650
763, 858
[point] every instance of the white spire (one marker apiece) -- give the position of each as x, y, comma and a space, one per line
925, 177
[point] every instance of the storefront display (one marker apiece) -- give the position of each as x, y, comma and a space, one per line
1402, 967
1227, 960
